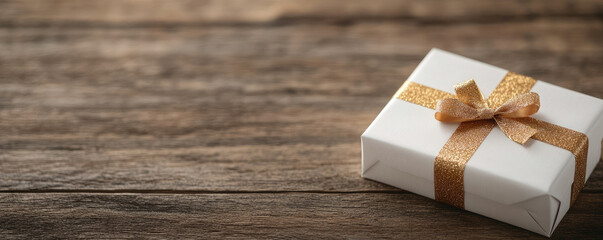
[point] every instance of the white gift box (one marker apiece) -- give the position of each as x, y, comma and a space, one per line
528, 185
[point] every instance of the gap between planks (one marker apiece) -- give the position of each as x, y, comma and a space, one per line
288, 21
192, 192
200, 192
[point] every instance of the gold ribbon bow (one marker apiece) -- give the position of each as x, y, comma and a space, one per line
508, 106
471, 106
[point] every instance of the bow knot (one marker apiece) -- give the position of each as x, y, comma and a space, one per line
469, 105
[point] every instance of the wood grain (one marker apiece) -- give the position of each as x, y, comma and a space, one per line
162, 119
293, 215
49, 12
206, 109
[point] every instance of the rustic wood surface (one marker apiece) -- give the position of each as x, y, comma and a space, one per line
162, 119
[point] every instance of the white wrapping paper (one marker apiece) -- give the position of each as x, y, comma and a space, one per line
528, 186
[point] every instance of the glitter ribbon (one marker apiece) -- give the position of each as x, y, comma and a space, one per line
508, 106
471, 106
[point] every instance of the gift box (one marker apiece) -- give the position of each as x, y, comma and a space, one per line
525, 170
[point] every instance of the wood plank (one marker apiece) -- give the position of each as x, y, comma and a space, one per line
383, 53
238, 108
290, 215
49, 12
301, 167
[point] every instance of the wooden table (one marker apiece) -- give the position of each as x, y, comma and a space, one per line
183, 119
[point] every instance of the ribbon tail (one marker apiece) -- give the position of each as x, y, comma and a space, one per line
515, 130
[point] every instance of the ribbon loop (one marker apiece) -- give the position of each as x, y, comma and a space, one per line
468, 93
520, 106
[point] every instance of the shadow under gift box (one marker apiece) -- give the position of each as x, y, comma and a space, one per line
528, 185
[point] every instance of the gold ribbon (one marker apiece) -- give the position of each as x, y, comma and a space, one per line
470, 106
508, 106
